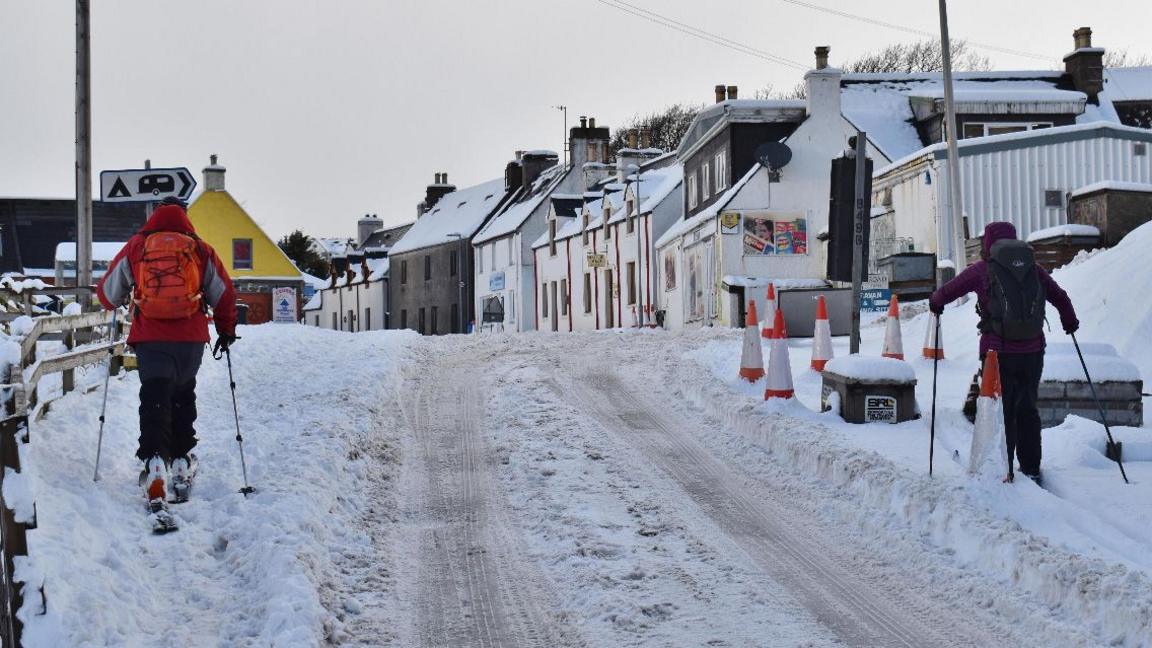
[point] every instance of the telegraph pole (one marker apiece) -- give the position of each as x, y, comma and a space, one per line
83, 152
954, 225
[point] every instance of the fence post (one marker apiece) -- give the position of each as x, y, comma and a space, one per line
14, 539
69, 375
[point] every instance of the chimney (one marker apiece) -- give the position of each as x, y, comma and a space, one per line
365, 227
587, 143
436, 191
514, 173
633, 136
720, 92
822, 57
822, 88
536, 162
1086, 65
214, 175
732, 93
645, 137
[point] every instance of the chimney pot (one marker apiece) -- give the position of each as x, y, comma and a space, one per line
212, 158
1083, 37
720, 92
444, 177
213, 175
732, 93
519, 155
822, 57
583, 121
591, 122
632, 138
645, 137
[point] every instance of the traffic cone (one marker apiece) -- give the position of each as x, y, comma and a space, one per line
822, 336
893, 342
933, 349
779, 365
769, 330
989, 430
752, 357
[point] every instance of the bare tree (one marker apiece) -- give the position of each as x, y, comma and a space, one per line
769, 91
921, 56
1123, 58
667, 126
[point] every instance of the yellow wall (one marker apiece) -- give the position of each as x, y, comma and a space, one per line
218, 219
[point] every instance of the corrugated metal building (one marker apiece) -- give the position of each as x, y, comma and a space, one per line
1024, 178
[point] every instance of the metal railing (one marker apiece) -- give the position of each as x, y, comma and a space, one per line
78, 333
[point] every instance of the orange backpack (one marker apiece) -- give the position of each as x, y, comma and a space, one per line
168, 277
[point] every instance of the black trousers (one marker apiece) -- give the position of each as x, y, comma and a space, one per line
1020, 381
167, 397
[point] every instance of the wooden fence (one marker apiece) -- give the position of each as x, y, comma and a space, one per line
82, 348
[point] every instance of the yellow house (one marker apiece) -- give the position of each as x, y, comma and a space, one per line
258, 266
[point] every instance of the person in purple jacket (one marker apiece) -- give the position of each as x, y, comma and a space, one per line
1010, 294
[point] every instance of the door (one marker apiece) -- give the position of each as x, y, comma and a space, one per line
609, 311
555, 308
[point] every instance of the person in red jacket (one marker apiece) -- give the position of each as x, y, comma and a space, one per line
171, 278
1021, 354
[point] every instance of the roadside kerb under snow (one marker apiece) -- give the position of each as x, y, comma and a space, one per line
1112, 599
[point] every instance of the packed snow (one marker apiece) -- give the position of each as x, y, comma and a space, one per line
1113, 185
871, 368
1071, 229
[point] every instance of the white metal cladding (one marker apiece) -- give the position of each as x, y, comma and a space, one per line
1010, 184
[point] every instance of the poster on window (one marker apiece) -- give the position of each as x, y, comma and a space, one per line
669, 271
774, 234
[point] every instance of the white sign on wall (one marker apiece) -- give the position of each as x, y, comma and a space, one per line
284, 305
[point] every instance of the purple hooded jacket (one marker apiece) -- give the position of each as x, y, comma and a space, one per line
975, 279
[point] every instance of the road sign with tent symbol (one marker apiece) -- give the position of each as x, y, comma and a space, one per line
146, 185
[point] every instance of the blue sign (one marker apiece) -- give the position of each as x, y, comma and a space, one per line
496, 281
875, 300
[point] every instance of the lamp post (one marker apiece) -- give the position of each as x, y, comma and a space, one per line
637, 293
461, 266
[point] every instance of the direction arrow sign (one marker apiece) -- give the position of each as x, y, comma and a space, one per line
146, 185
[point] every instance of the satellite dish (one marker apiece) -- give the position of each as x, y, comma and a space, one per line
773, 155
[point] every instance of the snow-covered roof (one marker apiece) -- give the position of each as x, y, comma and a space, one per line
1113, 185
378, 269
314, 281
513, 216
460, 212
655, 186
101, 251
315, 302
1071, 229
684, 226
1128, 84
740, 110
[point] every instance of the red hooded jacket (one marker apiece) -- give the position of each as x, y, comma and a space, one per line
116, 286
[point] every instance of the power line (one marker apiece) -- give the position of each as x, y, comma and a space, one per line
912, 30
696, 32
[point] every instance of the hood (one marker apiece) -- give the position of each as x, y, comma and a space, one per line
168, 218
997, 231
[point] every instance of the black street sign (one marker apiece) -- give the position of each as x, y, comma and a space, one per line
146, 185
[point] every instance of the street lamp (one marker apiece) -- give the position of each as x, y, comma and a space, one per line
461, 267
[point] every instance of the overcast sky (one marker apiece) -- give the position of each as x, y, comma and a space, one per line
323, 111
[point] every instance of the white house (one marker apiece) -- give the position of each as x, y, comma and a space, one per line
358, 301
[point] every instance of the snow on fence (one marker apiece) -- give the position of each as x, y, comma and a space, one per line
85, 346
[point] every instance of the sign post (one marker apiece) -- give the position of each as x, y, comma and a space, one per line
146, 185
858, 225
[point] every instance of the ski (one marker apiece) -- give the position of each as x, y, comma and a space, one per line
182, 482
162, 519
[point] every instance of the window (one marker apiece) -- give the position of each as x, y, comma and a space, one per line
351, 321
544, 300
427, 267
367, 319
705, 180
552, 237
584, 229
241, 254
721, 171
421, 322
587, 292
434, 329
985, 129
607, 230
563, 296
631, 282
403, 319
511, 250
493, 249
403, 274
692, 191
452, 263
455, 317
629, 205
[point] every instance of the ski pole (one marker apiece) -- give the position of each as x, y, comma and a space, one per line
247, 490
1100, 407
104, 405
932, 425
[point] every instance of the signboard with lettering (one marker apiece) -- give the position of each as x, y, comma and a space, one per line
597, 260
496, 281
875, 300
284, 305
879, 409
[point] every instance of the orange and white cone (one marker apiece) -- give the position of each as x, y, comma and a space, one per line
752, 356
893, 341
779, 365
989, 431
769, 330
933, 349
821, 336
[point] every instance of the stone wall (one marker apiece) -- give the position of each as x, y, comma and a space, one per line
1121, 400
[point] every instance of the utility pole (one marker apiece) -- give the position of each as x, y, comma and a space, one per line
954, 225
638, 293
858, 224
564, 140
83, 152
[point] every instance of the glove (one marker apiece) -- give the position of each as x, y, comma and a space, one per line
935, 307
223, 341
1072, 326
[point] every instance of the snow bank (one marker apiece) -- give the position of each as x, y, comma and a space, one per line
871, 368
1061, 363
1063, 230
